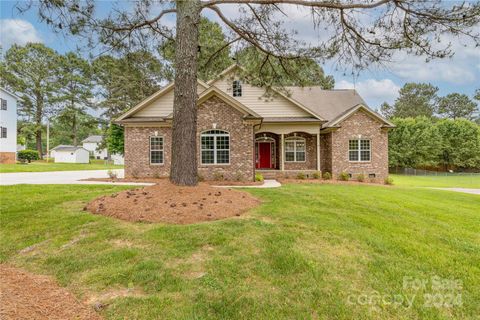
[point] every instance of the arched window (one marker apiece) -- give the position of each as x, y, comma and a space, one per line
237, 88
295, 149
215, 147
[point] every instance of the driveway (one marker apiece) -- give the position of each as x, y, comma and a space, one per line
62, 177
464, 190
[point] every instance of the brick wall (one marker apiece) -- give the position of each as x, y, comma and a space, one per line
137, 152
311, 156
360, 124
7, 157
242, 165
213, 111
326, 152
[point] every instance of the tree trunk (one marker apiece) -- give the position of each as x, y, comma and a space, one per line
38, 139
74, 128
38, 123
184, 134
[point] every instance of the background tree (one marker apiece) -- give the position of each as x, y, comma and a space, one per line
416, 27
32, 72
126, 80
414, 100
456, 105
460, 143
415, 142
61, 130
114, 139
75, 94
214, 52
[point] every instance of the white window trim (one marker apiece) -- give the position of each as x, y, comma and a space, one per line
150, 151
359, 151
215, 135
294, 139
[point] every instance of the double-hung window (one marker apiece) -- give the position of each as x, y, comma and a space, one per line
295, 149
215, 147
156, 150
237, 88
3, 132
3, 104
359, 150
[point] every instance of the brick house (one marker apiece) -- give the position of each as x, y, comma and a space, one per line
242, 130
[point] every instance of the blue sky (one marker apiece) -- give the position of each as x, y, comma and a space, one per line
458, 74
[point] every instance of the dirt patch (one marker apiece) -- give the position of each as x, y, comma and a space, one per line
165, 202
101, 300
24, 295
319, 181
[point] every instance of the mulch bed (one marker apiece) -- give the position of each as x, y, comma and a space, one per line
24, 295
332, 181
162, 180
165, 202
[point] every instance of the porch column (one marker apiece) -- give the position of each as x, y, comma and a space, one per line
318, 152
281, 153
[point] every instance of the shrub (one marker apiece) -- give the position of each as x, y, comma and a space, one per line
28, 155
361, 177
112, 174
327, 176
258, 177
343, 176
217, 176
317, 175
301, 176
388, 180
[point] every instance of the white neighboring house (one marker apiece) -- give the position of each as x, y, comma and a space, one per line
91, 144
8, 126
70, 154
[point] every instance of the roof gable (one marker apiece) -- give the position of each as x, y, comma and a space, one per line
214, 91
360, 107
154, 97
254, 98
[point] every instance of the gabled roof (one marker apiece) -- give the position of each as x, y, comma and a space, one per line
347, 113
328, 103
145, 102
67, 148
93, 139
228, 99
9, 93
277, 91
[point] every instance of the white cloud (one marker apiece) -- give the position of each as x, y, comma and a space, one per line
373, 91
455, 70
17, 31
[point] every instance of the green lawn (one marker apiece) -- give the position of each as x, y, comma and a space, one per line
38, 166
453, 181
308, 252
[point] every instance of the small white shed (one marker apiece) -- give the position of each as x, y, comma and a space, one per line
70, 154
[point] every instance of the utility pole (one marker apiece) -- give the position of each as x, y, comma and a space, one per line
48, 138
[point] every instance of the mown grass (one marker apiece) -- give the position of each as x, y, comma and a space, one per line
42, 166
303, 254
452, 181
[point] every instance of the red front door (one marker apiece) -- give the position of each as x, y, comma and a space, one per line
264, 155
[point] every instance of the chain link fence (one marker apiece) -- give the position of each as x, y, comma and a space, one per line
423, 172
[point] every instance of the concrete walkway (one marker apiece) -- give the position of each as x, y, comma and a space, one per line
464, 190
266, 184
64, 177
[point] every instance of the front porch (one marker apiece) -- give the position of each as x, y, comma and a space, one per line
286, 154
